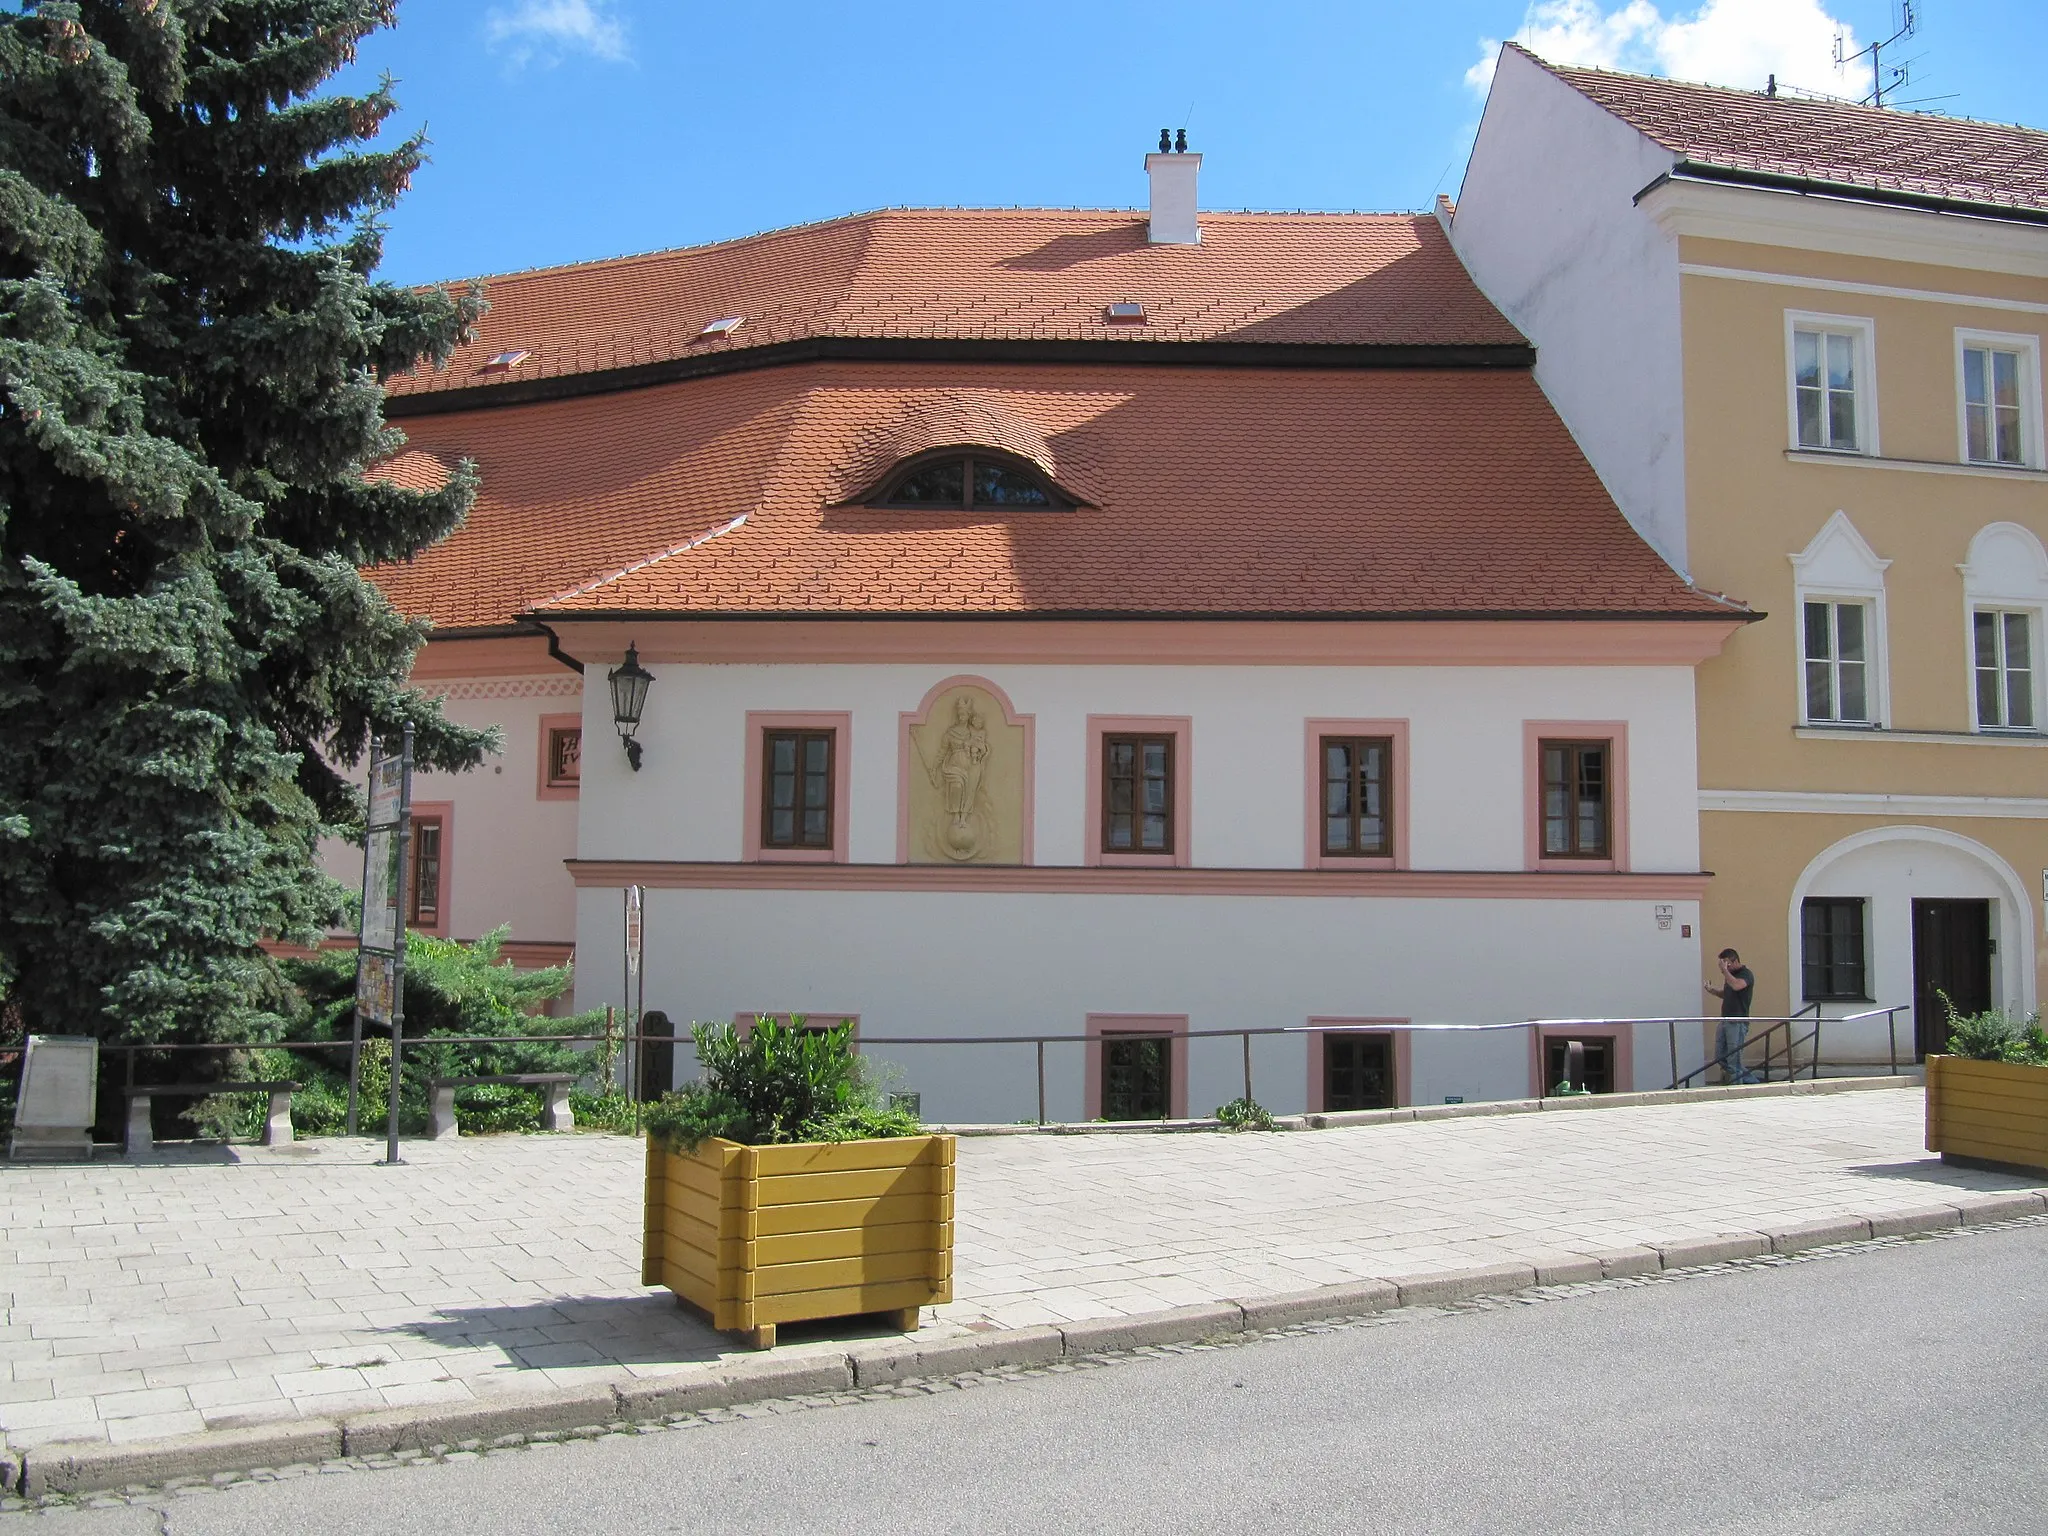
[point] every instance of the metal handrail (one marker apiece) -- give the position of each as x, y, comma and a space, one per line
635, 1038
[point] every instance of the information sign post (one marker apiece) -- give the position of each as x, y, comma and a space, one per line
380, 951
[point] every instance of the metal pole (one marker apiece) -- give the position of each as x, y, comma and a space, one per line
1816, 1048
391, 1157
1247, 1037
1041, 1082
1671, 1038
1891, 1028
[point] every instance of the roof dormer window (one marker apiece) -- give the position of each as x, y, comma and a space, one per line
977, 481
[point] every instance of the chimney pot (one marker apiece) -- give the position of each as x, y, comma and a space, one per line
1176, 217
1165, 142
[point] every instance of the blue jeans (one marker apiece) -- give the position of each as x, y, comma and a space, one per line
1729, 1040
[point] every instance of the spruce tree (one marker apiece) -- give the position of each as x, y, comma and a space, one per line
192, 346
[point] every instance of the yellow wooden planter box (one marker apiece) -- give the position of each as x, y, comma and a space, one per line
1988, 1112
757, 1236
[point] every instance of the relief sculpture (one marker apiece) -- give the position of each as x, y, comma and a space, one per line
967, 782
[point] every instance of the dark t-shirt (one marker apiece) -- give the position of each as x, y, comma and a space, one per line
1735, 1004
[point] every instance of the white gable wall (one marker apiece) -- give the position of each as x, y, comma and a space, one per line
1547, 225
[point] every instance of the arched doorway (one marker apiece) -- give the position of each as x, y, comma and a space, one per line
1932, 913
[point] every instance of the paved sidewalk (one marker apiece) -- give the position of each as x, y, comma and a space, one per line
239, 1288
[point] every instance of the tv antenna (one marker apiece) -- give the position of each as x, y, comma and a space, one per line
1881, 79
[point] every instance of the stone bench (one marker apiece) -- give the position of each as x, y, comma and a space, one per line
277, 1126
555, 1114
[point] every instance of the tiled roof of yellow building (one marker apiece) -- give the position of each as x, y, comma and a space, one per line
1879, 149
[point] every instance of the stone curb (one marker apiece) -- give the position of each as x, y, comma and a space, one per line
86, 1467
1338, 1119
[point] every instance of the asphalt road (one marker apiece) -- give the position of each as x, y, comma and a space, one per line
1900, 1389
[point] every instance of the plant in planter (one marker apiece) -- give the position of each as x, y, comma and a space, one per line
1987, 1098
780, 1190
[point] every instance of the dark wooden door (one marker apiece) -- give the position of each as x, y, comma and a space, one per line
1358, 1071
1952, 959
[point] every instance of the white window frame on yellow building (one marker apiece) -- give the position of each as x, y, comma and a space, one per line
2030, 626
1862, 331
2007, 572
1839, 566
2028, 347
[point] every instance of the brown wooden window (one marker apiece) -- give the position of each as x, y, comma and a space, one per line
1577, 799
1137, 794
425, 875
565, 757
1832, 954
1591, 1071
958, 482
1137, 1076
1357, 806
1358, 1071
796, 789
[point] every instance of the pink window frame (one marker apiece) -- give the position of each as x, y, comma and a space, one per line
906, 755
549, 724
1396, 731
442, 811
1534, 734
1182, 729
759, 723
1174, 1024
1622, 1052
1404, 1055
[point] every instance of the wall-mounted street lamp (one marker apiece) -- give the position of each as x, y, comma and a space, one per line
629, 696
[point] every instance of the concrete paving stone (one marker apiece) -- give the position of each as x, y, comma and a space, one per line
155, 1426
45, 1413
320, 1383
129, 1405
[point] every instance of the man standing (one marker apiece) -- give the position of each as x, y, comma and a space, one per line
1737, 992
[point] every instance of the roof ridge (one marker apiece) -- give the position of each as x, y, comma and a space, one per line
1805, 98
632, 258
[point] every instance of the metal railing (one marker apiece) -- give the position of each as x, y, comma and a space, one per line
1737, 1059
1778, 1036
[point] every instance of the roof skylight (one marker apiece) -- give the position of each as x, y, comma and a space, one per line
1125, 312
723, 327
506, 361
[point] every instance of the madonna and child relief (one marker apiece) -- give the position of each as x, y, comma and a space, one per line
967, 782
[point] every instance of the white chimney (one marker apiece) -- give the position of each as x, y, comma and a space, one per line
1175, 212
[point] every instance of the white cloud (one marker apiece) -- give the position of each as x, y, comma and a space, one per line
547, 31
1721, 42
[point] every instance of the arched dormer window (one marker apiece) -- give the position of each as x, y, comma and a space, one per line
970, 479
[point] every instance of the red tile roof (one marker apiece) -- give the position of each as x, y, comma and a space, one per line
1881, 149
1218, 491
1031, 275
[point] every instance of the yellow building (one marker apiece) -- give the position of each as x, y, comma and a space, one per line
1801, 342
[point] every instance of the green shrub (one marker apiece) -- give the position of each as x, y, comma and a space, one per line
602, 1112
1244, 1115
484, 1108
779, 1083
1996, 1036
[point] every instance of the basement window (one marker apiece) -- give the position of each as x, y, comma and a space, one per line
970, 481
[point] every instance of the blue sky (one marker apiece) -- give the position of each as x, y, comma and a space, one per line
566, 130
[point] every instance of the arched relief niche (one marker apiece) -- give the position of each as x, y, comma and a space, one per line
966, 778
